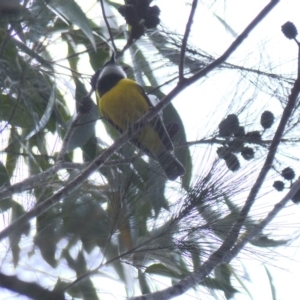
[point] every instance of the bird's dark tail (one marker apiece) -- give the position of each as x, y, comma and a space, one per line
170, 164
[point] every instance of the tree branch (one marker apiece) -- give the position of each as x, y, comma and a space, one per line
222, 141
108, 27
29, 289
30, 183
36, 180
258, 228
185, 38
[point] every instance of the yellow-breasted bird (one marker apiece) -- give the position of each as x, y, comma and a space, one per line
122, 102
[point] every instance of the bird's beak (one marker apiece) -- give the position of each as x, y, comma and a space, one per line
112, 59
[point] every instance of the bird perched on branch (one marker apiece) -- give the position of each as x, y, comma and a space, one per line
122, 102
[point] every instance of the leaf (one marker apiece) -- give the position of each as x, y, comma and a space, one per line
60, 285
46, 238
83, 289
143, 283
12, 111
85, 128
162, 270
71, 11
170, 114
72, 57
13, 150
17, 27
241, 282
223, 273
196, 257
7, 203
213, 283
125, 233
113, 252
46, 116
99, 57
227, 26
11, 51
155, 188
273, 289
114, 4
264, 241
33, 54
141, 60
88, 290
88, 211
221, 227
15, 237
38, 164
4, 178
89, 149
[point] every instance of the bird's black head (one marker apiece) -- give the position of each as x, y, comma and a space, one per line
108, 76
110, 69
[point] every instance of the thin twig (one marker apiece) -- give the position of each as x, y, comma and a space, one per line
108, 27
222, 141
259, 227
128, 44
185, 38
30, 289
71, 129
29, 183
36, 180
5, 40
76, 54
67, 137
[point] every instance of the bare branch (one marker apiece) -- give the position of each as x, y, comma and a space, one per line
108, 27
29, 289
258, 228
29, 183
221, 141
185, 38
36, 180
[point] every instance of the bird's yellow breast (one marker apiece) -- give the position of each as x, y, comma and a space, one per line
124, 104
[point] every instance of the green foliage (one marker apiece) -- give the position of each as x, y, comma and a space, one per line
71, 11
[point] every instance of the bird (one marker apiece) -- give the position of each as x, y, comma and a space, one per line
122, 102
